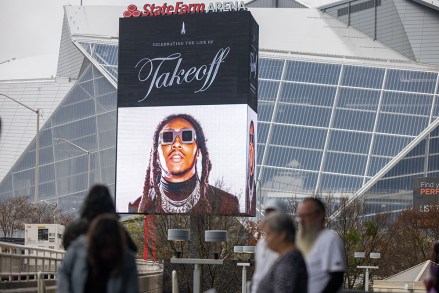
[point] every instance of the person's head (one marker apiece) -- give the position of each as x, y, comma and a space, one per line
178, 142
252, 148
311, 213
106, 243
274, 205
435, 253
311, 220
98, 201
279, 230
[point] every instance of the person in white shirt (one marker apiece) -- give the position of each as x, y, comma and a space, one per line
322, 248
264, 256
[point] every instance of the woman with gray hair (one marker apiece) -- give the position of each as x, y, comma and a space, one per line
288, 273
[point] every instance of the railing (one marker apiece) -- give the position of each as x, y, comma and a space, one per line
33, 269
19, 262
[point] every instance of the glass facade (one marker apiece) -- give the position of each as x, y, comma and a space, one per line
323, 127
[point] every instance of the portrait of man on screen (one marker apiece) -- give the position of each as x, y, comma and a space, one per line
173, 183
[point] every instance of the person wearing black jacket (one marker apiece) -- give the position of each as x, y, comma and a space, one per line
98, 201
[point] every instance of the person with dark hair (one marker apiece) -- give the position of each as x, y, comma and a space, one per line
288, 274
99, 261
432, 281
251, 179
98, 201
172, 182
322, 248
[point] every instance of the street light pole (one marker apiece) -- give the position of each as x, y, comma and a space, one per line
373, 255
37, 145
84, 150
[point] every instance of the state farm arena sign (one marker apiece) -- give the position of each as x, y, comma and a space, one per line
183, 8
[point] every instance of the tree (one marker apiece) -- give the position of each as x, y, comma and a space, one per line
14, 213
17, 211
241, 231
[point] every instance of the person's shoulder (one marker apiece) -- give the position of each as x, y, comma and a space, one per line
329, 235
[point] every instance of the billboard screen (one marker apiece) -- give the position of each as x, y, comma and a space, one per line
187, 100
425, 194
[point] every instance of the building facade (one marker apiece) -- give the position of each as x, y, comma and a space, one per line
341, 111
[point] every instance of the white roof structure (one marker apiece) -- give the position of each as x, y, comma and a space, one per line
410, 280
318, 33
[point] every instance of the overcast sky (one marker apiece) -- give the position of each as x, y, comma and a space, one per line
33, 27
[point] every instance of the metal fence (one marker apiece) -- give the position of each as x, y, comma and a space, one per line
19, 262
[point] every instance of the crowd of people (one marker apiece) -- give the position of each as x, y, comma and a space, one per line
100, 252
309, 260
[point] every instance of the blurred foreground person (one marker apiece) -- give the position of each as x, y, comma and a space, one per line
99, 261
264, 256
322, 248
288, 273
98, 201
432, 281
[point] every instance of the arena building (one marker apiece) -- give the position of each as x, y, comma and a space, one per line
348, 104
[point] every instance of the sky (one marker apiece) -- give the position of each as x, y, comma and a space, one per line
30, 32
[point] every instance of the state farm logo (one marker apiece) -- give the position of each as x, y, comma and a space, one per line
182, 8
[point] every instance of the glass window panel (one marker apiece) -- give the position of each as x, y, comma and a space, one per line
338, 183
345, 163
102, 86
435, 132
376, 164
418, 150
394, 185
367, 77
407, 166
23, 182
106, 103
72, 202
262, 130
46, 173
298, 136
352, 142
354, 120
267, 90
259, 153
401, 124
265, 111
433, 163
303, 115
270, 68
288, 180
436, 107
108, 164
307, 94
385, 145
293, 158
46, 190
107, 129
434, 145
73, 112
406, 103
312, 72
81, 132
411, 81
358, 99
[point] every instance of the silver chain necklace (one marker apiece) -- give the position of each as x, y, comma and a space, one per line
180, 206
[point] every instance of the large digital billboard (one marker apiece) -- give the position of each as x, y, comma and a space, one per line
426, 194
187, 100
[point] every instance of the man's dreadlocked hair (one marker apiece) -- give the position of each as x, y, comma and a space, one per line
154, 171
